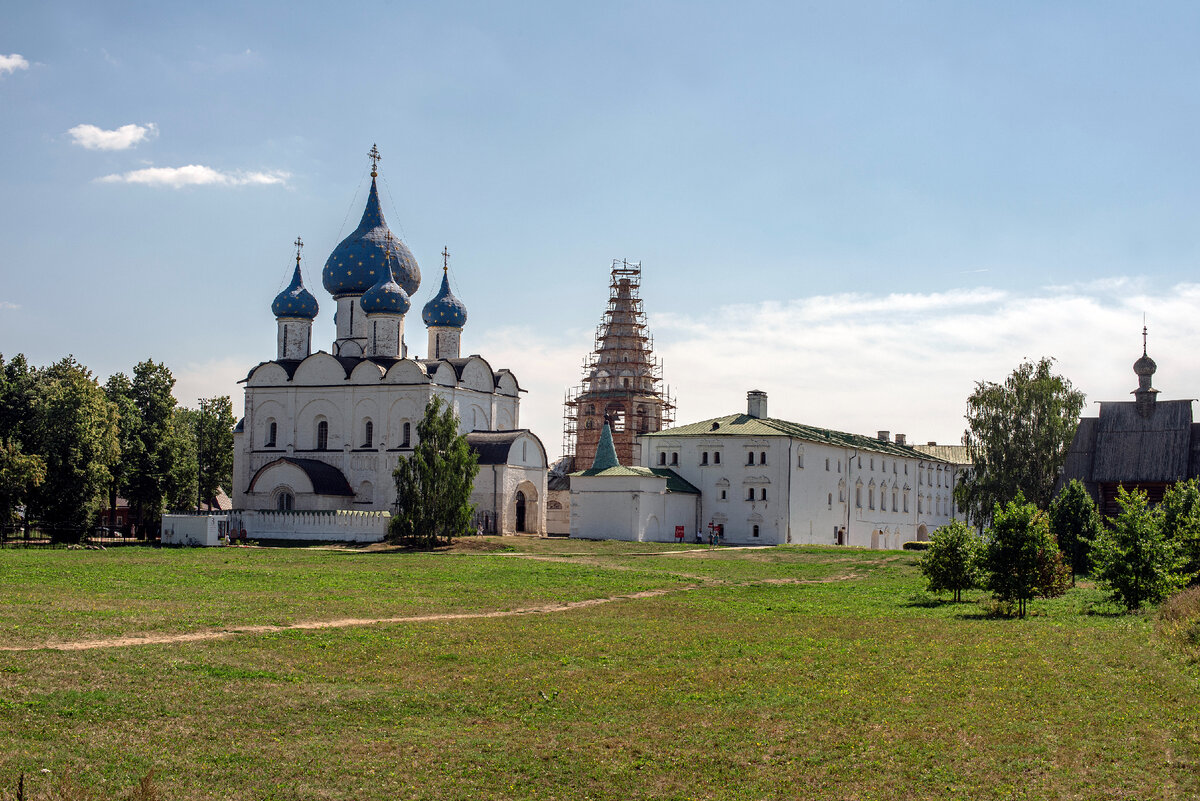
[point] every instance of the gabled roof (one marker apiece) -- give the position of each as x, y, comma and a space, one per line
955, 454
1130, 447
675, 482
743, 425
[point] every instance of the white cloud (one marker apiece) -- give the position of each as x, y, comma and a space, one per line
195, 175
4, 304
123, 138
12, 63
211, 379
861, 363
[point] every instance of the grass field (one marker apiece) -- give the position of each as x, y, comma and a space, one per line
763, 673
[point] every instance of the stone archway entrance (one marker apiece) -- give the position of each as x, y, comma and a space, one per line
520, 522
922, 533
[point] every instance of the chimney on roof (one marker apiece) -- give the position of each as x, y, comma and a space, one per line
901, 439
931, 442
756, 403
884, 436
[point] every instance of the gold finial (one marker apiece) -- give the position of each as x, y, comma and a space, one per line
445, 259
1143, 334
375, 157
299, 243
387, 250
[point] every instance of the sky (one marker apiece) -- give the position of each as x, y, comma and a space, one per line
862, 209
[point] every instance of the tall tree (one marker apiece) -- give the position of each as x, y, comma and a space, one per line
1133, 557
433, 485
1181, 524
214, 438
180, 488
77, 435
952, 561
1075, 522
1017, 436
1014, 557
119, 391
152, 457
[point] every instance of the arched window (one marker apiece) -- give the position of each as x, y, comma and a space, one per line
906, 500
841, 492
716, 457
762, 458
405, 434
285, 501
704, 457
323, 435
755, 532
895, 508
272, 429
920, 505
800, 459
674, 458
762, 494
858, 496
662, 458
368, 434
750, 457
871, 497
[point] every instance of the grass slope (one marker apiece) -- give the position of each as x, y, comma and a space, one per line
858, 689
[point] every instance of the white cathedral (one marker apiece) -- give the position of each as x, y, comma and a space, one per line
324, 431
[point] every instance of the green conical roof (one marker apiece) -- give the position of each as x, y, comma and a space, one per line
606, 454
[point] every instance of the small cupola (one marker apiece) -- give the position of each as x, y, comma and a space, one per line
1144, 396
444, 316
294, 309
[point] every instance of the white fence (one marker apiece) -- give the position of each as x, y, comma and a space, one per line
331, 526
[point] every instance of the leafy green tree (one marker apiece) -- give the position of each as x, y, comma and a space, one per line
20, 474
1075, 522
20, 387
180, 488
1181, 524
952, 562
1017, 436
155, 448
433, 485
119, 391
1133, 557
214, 436
1013, 555
76, 428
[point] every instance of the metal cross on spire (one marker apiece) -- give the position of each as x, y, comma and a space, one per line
299, 243
375, 158
446, 259
1143, 334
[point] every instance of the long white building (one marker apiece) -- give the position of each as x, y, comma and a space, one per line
773, 482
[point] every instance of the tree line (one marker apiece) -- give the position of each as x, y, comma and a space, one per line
1034, 541
70, 446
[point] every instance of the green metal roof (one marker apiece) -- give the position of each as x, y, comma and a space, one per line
743, 425
675, 482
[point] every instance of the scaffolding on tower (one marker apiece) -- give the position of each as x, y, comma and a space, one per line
622, 380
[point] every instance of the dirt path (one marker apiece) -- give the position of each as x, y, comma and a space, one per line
543, 609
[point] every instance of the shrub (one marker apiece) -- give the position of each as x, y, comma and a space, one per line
914, 545
951, 563
1018, 550
1134, 559
1075, 522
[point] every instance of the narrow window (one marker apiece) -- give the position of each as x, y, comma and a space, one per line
827, 465
870, 497
858, 497
829, 502
662, 458
750, 494
368, 434
755, 531
906, 502
271, 430
762, 494
704, 457
405, 434
322, 435
762, 458
716, 457
674, 458
750, 457
872, 462
800, 459
723, 495
285, 502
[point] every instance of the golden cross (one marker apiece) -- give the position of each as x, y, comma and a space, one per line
299, 243
375, 157
445, 259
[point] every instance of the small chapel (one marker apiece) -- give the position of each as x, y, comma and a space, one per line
323, 431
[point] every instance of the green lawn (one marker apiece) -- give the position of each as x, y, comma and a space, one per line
766, 673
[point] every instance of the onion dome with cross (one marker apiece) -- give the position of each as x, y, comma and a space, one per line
295, 301
445, 309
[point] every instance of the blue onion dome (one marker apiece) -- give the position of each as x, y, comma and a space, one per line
295, 301
357, 263
445, 309
386, 297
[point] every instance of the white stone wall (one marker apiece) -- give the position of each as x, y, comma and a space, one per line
320, 391
631, 508
444, 343
335, 526
385, 335
806, 503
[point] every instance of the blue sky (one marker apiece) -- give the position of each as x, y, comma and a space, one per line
859, 208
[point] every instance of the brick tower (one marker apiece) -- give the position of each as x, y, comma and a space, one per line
622, 381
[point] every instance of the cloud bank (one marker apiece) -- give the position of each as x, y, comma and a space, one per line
860, 362
11, 63
123, 138
195, 175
